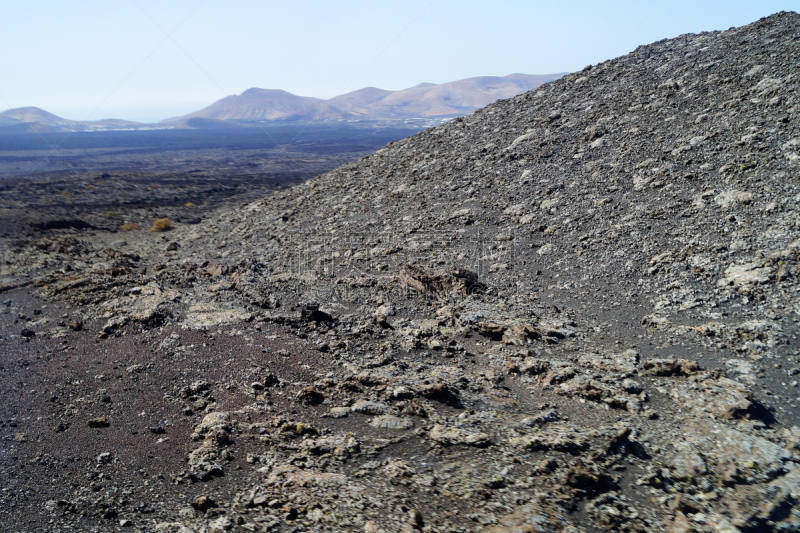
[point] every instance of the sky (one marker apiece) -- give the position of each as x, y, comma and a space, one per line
147, 60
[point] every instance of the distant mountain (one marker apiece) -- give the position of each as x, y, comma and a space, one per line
254, 104
456, 98
351, 102
426, 100
36, 120
33, 115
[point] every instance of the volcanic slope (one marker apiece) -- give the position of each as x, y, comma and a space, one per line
573, 310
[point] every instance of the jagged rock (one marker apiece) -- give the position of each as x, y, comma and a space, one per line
721, 398
555, 437
458, 281
101, 422
624, 362
338, 445
671, 367
367, 407
451, 436
204, 463
203, 503
392, 422
440, 392
310, 396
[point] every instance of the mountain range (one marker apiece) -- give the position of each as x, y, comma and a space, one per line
423, 101
426, 100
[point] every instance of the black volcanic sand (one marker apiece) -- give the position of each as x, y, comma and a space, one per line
52, 387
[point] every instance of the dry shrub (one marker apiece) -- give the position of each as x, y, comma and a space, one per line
111, 214
130, 226
189, 204
162, 224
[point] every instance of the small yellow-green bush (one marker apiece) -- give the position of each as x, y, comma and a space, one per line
162, 224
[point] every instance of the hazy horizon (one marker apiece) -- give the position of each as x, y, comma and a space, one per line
91, 60
206, 104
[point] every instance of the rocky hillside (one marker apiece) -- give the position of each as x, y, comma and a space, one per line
573, 310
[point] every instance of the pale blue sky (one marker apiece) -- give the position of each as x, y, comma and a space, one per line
92, 59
